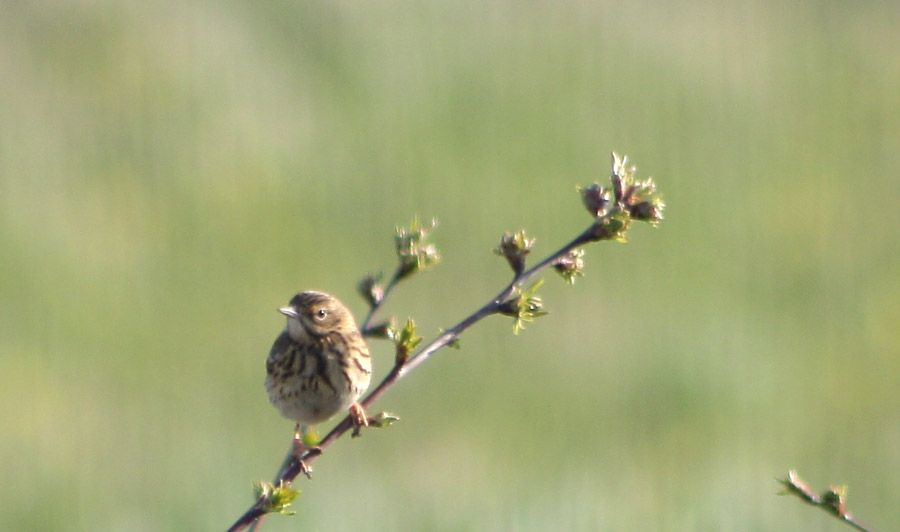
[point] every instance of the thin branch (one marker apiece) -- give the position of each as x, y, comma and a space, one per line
833, 501
492, 306
442, 340
290, 469
613, 212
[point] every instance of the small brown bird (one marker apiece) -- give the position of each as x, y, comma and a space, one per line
318, 366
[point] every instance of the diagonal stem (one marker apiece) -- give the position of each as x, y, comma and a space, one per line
831, 501
290, 469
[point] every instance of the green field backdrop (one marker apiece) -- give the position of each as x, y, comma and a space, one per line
172, 172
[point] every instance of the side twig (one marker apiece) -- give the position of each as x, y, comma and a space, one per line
833, 501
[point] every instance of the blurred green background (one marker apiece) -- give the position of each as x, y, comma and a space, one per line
171, 173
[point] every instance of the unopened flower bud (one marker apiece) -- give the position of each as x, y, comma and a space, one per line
647, 211
514, 248
596, 199
370, 289
384, 330
570, 265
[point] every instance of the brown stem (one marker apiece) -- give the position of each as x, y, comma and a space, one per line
832, 501
290, 469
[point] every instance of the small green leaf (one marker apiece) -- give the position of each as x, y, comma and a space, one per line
383, 419
275, 499
406, 340
408, 336
526, 306
310, 436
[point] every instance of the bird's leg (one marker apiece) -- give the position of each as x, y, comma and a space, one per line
358, 417
301, 448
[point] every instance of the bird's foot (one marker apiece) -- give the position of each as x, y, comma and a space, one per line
358, 418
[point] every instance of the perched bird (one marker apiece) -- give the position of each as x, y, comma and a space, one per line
318, 366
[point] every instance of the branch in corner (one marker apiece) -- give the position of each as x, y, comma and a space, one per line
833, 501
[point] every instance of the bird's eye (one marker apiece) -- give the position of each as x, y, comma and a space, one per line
321, 314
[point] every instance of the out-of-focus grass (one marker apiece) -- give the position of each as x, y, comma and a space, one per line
170, 174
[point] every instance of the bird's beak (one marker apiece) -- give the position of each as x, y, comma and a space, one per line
289, 312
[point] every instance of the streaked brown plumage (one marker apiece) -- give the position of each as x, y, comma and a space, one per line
320, 364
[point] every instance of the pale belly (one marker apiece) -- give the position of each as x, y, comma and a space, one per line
314, 404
